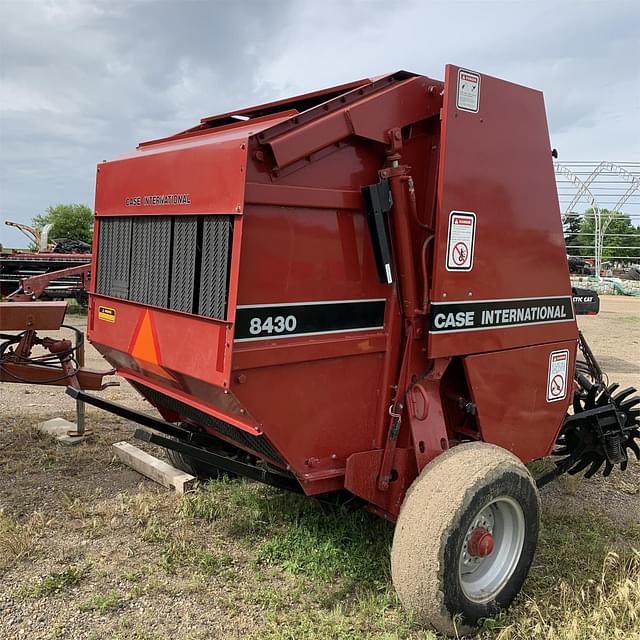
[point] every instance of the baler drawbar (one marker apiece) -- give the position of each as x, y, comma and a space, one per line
362, 294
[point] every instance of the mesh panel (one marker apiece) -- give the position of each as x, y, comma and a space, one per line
185, 233
216, 232
113, 258
172, 262
149, 277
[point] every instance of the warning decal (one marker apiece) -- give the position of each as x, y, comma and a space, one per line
461, 240
107, 313
557, 375
468, 98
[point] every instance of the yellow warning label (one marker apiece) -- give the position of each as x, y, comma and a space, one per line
107, 313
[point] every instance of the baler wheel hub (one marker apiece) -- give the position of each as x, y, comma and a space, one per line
491, 550
481, 543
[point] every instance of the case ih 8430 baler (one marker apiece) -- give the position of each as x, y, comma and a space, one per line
362, 294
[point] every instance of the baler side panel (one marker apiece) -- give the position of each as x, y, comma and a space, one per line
317, 396
509, 389
497, 164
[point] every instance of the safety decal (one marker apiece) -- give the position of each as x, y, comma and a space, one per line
557, 375
468, 96
107, 313
289, 319
461, 240
476, 315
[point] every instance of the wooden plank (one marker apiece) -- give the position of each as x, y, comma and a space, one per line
153, 468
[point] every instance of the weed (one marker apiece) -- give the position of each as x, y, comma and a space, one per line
101, 603
178, 555
55, 582
605, 608
19, 540
155, 533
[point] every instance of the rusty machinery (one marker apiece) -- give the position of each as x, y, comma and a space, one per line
362, 294
52, 270
61, 364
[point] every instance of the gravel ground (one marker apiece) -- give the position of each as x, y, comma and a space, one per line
90, 550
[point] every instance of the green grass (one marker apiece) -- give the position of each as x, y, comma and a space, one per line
180, 556
326, 576
295, 533
55, 582
101, 603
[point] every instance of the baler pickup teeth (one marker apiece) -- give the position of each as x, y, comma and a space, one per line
595, 467
602, 431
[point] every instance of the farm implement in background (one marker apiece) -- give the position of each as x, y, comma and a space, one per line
61, 361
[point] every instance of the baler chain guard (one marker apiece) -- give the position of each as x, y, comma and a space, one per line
603, 427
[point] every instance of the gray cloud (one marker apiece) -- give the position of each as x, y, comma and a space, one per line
86, 80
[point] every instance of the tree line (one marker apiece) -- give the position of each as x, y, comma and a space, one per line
621, 240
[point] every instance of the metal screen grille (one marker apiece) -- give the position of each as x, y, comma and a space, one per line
114, 257
184, 254
151, 247
173, 262
215, 251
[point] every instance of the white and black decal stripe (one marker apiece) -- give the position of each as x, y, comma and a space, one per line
477, 315
282, 320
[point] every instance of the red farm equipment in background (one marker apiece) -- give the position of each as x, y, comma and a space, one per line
362, 294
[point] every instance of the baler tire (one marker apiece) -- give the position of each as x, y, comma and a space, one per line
440, 509
196, 467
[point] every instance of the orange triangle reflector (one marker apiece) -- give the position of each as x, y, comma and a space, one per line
145, 347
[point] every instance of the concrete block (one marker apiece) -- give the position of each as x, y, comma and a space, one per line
59, 428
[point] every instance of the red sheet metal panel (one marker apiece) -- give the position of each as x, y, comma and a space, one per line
163, 342
510, 390
495, 163
205, 174
20, 316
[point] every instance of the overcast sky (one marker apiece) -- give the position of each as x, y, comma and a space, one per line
86, 80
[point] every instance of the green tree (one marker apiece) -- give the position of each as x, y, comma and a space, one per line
73, 221
571, 223
621, 238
